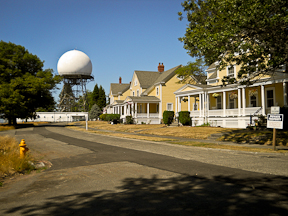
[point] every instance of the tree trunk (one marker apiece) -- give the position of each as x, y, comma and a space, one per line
9, 120
14, 121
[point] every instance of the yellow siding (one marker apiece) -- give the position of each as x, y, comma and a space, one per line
135, 87
125, 94
168, 92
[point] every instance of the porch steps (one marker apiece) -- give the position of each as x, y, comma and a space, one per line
174, 124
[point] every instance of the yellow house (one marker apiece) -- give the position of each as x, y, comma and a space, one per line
149, 94
234, 105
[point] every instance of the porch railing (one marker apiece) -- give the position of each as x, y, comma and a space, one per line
144, 115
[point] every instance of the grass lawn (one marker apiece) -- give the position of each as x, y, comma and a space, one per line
160, 129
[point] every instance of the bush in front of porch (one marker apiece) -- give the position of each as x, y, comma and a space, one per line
184, 117
168, 117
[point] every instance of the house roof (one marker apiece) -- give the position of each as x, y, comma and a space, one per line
117, 88
212, 66
162, 78
147, 78
213, 76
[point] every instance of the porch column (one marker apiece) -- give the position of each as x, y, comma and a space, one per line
176, 107
208, 105
200, 105
132, 111
160, 104
189, 103
118, 109
285, 93
125, 109
148, 110
224, 103
243, 100
239, 102
263, 100
179, 104
136, 110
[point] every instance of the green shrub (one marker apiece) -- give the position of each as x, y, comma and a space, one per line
103, 117
115, 118
184, 118
168, 117
129, 120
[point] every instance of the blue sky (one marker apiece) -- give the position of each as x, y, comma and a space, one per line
119, 36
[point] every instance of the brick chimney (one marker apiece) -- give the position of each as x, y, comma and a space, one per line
120, 80
160, 67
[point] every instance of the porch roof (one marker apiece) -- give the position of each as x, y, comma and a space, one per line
143, 99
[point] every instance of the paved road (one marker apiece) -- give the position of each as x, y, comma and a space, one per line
100, 175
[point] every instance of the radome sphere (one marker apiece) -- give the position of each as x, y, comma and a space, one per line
74, 62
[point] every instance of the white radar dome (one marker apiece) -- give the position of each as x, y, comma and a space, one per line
74, 62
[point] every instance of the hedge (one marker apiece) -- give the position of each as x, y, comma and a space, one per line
168, 117
184, 118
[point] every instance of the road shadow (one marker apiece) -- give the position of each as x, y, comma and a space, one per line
183, 195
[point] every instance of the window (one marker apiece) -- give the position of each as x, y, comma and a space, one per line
137, 93
231, 71
157, 108
133, 93
140, 108
135, 82
157, 91
170, 106
253, 101
270, 97
219, 102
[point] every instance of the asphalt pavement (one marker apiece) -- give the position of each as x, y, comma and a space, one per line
100, 175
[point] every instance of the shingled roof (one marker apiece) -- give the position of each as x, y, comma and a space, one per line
147, 78
162, 78
117, 88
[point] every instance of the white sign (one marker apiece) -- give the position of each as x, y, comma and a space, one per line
275, 110
275, 121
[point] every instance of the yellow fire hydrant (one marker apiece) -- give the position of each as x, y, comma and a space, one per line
23, 148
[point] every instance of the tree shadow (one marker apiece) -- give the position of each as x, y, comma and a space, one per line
182, 195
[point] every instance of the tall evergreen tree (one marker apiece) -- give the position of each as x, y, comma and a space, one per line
94, 96
102, 98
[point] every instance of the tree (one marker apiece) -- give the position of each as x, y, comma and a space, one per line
94, 96
250, 33
24, 85
95, 112
196, 69
102, 98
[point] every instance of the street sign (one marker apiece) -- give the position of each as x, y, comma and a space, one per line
275, 121
275, 110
